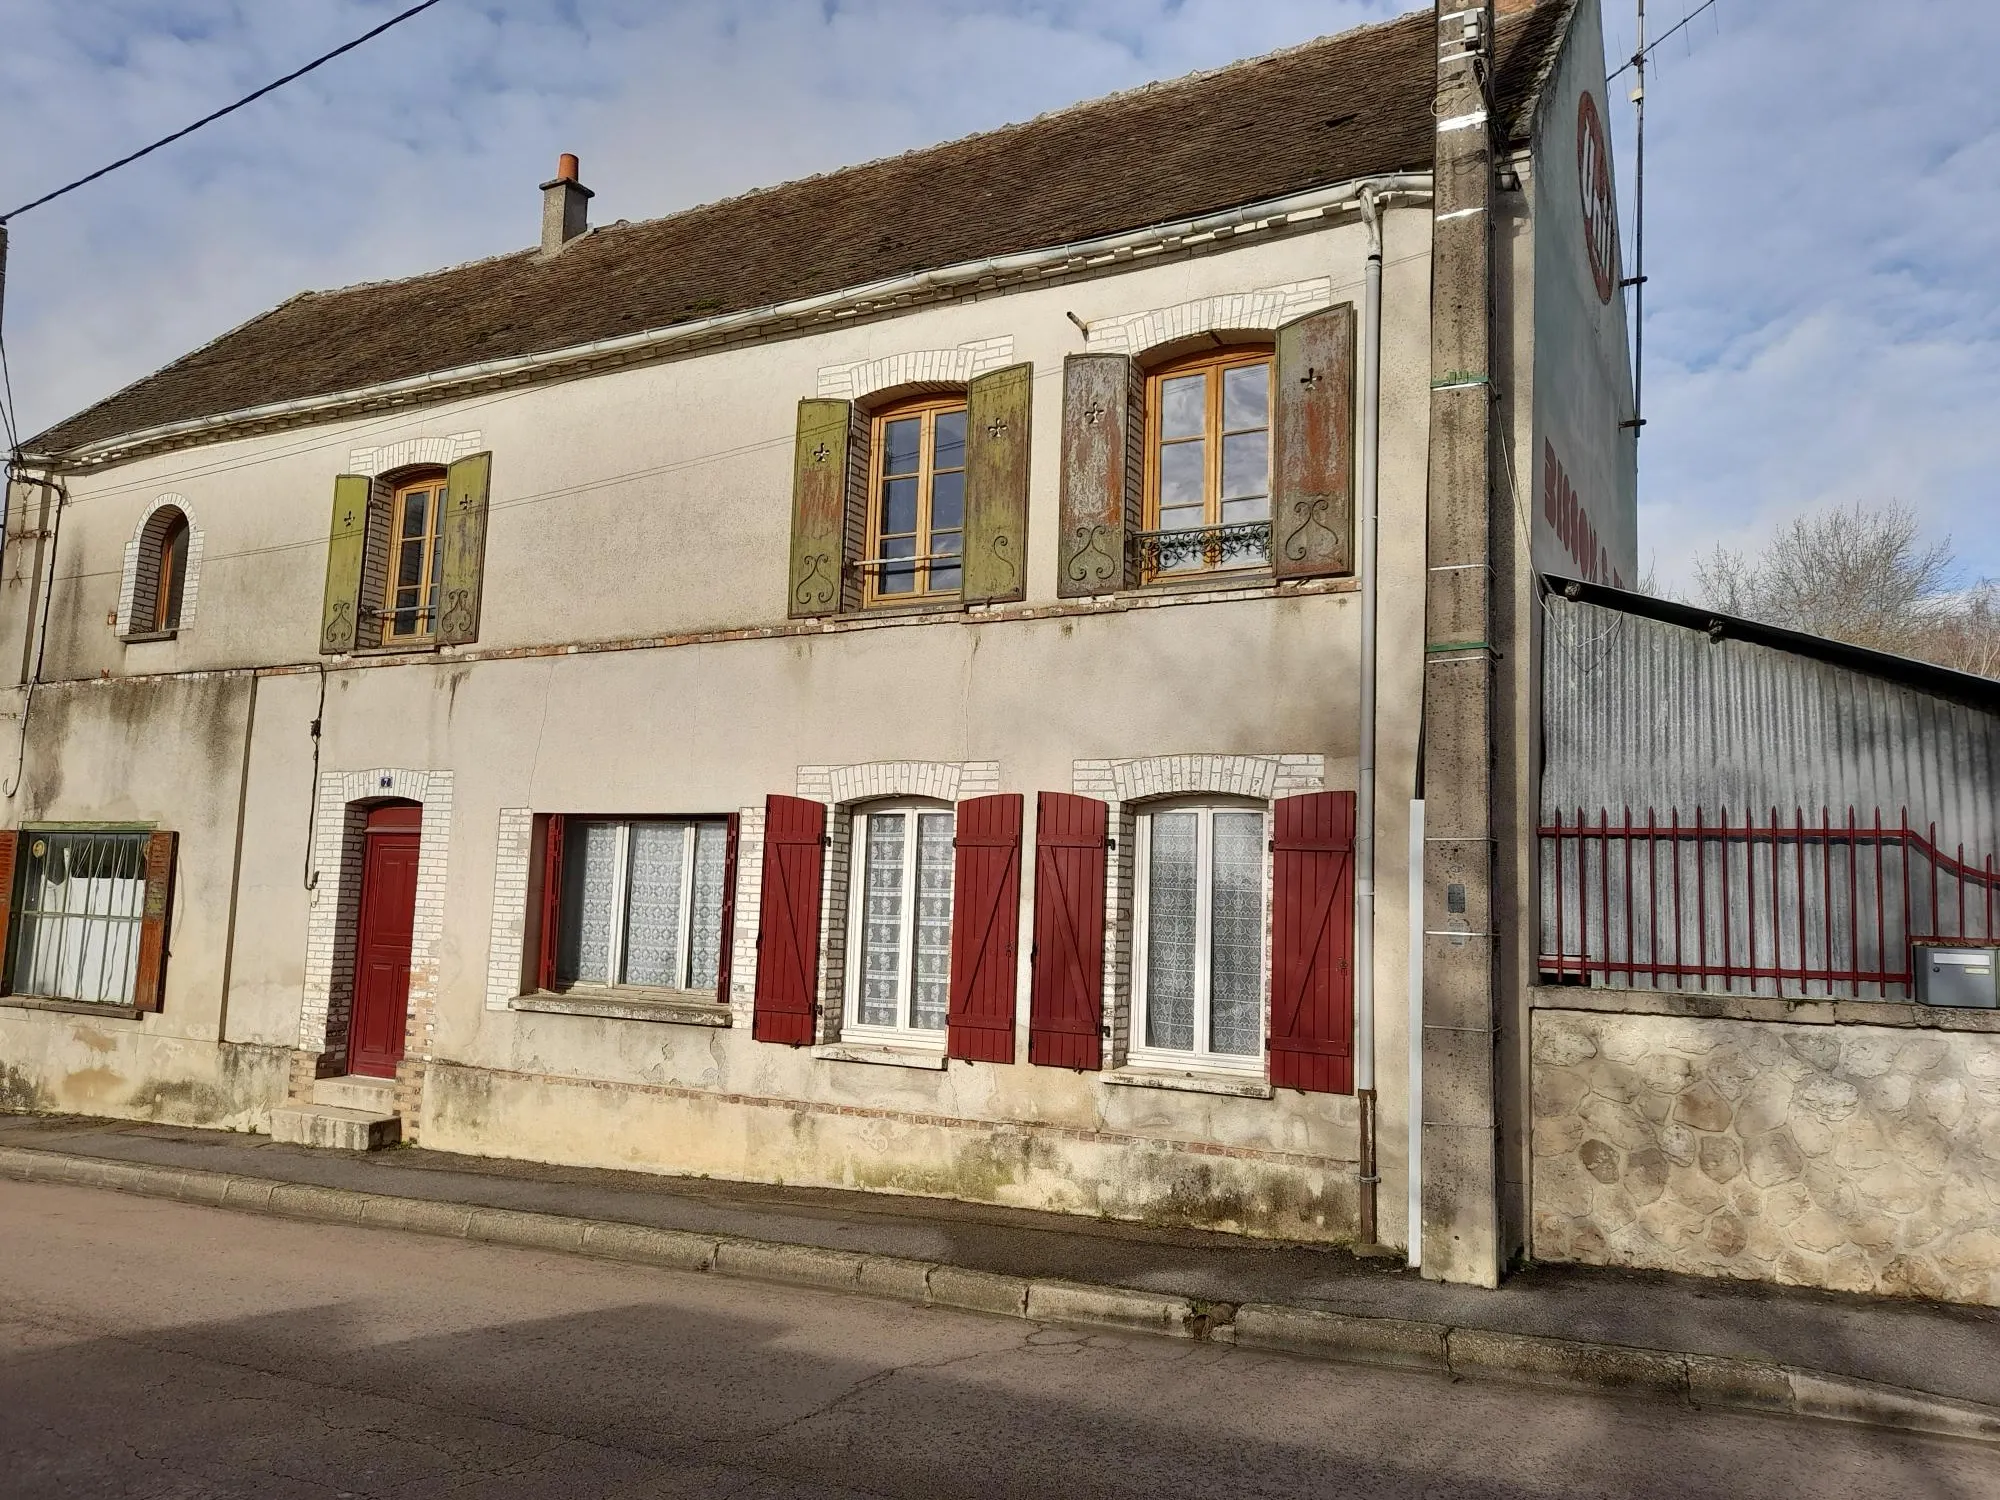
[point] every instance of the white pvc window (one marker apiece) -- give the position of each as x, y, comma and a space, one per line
77, 918
642, 903
1198, 970
899, 919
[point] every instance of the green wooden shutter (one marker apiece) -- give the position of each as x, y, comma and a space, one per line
347, 542
819, 508
1098, 412
464, 543
999, 406
1312, 500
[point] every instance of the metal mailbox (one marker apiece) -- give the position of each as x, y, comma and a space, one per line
1958, 976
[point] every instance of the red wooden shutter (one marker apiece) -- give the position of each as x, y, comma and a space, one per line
728, 939
985, 921
1066, 997
149, 986
552, 882
1312, 944
788, 922
10, 844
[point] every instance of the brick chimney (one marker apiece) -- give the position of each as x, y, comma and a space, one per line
565, 206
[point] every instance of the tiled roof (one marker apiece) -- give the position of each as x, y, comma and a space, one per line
1330, 111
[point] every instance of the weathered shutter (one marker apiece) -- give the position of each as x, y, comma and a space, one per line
149, 985
1066, 995
1312, 499
985, 923
1312, 943
346, 545
554, 830
463, 567
726, 943
1096, 474
819, 508
998, 409
10, 845
788, 921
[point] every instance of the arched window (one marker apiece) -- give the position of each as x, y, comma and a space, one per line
170, 560
161, 562
916, 501
1208, 463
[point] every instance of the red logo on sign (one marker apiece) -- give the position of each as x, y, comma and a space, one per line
1600, 208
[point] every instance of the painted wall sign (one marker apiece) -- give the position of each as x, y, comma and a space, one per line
1600, 208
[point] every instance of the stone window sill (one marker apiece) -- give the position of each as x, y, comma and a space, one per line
676, 1007
147, 637
409, 647
1893, 1013
888, 1057
72, 1007
1241, 1086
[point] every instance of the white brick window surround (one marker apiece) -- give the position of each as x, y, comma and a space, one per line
340, 818
411, 452
914, 370
839, 787
1128, 785
1265, 309
139, 578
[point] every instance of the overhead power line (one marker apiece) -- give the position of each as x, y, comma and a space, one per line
210, 119
1647, 52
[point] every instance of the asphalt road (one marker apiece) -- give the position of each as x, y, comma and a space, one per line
155, 1349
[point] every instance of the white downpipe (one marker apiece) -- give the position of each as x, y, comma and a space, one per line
1417, 1032
1364, 829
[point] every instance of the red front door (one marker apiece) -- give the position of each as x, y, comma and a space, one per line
382, 942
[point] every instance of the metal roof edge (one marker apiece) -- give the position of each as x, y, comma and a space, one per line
1968, 688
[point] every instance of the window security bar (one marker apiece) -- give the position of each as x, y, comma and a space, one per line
890, 564
1209, 546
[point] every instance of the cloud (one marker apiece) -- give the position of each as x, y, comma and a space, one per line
1822, 321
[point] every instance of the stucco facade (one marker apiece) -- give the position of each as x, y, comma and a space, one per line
636, 655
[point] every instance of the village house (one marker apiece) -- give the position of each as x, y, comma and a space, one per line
919, 679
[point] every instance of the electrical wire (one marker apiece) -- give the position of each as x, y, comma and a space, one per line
1655, 44
227, 109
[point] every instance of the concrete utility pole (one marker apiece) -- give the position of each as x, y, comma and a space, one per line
1461, 1182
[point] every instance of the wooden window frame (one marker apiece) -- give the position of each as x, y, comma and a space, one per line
928, 408
1200, 1058
170, 568
437, 481
554, 907
1214, 362
852, 1027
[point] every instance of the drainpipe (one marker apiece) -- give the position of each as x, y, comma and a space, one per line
1364, 832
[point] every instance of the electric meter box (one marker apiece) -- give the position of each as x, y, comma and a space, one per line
1958, 976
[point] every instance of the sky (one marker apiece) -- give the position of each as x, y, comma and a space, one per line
1823, 189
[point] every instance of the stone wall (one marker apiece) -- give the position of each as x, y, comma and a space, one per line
1857, 1158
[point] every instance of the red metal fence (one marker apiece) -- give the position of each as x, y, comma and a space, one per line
1806, 909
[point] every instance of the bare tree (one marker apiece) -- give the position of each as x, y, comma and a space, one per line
1863, 575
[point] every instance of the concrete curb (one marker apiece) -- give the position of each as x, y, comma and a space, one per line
1705, 1382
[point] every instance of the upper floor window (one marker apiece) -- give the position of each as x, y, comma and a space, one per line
899, 971
642, 902
416, 560
170, 573
1199, 963
916, 509
1208, 464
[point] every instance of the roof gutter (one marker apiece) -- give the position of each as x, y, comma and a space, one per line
1403, 187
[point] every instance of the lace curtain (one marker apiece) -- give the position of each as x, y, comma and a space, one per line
1228, 878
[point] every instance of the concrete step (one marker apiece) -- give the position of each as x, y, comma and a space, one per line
377, 1096
337, 1129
